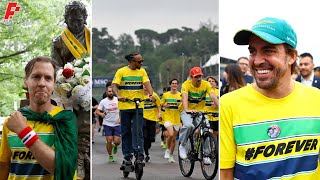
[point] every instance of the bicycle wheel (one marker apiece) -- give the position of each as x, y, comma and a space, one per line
209, 149
187, 165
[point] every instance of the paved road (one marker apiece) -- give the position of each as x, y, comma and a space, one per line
157, 169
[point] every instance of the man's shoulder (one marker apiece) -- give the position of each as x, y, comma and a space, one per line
239, 93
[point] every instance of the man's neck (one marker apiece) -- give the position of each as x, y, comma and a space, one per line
281, 91
173, 91
47, 107
308, 77
132, 67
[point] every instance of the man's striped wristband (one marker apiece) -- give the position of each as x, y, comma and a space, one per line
28, 136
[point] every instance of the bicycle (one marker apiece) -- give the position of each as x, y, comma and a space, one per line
138, 164
196, 151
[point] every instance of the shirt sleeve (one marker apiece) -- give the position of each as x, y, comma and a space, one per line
5, 152
184, 89
101, 107
157, 99
227, 143
208, 87
163, 100
117, 77
145, 77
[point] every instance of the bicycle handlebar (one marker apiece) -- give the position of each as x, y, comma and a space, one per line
214, 114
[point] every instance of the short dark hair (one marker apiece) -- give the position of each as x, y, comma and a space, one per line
29, 67
243, 57
306, 54
174, 79
75, 5
130, 56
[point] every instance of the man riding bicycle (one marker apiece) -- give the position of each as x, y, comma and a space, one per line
193, 100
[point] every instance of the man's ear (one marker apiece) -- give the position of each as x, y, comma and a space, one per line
293, 58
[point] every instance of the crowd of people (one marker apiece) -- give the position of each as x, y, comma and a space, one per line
168, 112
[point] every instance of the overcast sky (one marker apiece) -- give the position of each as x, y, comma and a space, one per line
303, 16
126, 16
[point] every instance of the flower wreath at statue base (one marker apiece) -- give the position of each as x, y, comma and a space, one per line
73, 85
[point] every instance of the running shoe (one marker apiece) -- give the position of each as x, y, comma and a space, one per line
111, 159
207, 161
171, 160
182, 152
167, 154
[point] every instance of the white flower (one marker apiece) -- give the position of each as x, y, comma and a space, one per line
87, 60
73, 81
85, 105
76, 89
61, 78
77, 62
84, 80
77, 70
78, 75
86, 67
66, 86
68, 65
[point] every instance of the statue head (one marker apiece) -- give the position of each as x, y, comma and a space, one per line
75, 16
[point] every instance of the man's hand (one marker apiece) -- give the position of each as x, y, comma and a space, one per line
16, 122
120, 98
152, 97
166, 105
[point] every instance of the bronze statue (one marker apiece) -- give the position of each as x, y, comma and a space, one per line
74, 43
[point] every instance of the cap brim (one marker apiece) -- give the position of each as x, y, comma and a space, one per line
242, 37
197, 74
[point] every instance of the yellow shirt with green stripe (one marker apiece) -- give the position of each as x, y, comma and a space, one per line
171, 113
23, 164
150, 110
130, 85
208, 106
196, 95
265, 138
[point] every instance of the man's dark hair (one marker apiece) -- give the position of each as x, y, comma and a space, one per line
306, 54
242, 58
174, 79
130, 56
29, 67
75, 6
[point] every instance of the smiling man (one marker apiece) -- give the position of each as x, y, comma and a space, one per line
307, 75
264, 133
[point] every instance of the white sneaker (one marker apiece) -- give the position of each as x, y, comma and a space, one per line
171, 160
207, 161
182, 152
167, 154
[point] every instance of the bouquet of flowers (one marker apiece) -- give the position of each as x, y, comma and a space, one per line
73, 85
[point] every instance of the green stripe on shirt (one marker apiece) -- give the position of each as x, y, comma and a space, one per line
288, 128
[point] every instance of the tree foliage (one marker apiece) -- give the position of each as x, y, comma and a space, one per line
164, 53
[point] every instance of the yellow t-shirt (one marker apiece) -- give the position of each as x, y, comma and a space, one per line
23, 165
172, 113
130, 85
196, 96
208, 106
264, 138
150, 110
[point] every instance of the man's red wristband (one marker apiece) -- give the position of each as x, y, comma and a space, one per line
28, 136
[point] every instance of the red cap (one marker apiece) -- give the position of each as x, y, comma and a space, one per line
195, 71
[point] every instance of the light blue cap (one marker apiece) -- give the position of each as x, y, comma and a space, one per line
272, 30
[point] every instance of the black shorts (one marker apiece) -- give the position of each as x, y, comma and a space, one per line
214, 125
